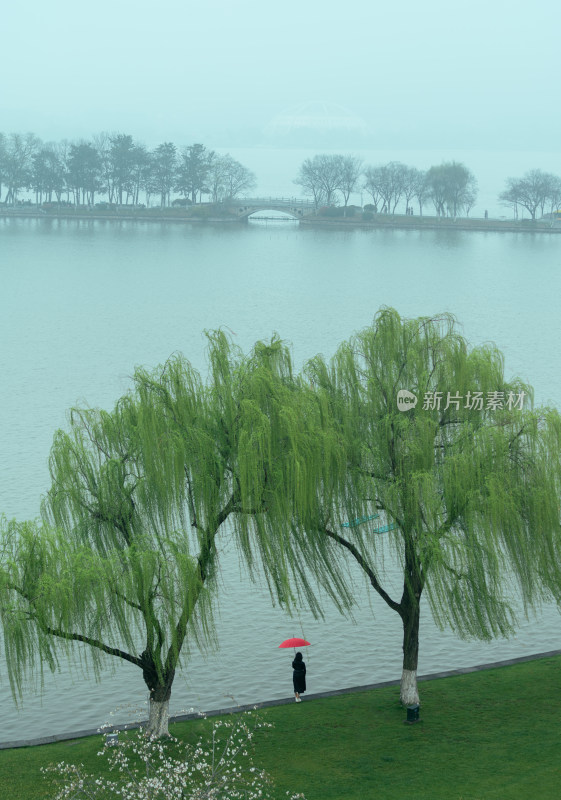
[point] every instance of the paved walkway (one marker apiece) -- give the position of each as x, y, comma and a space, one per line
283, 701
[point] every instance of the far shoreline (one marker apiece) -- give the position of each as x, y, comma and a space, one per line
385, 222
380, 221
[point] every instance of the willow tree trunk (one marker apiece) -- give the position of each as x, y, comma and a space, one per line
160, 693
159, 718
410, 616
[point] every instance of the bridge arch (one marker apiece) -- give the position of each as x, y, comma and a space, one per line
244, 212
294, 207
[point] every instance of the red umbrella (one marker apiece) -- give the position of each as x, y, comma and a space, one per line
294, 642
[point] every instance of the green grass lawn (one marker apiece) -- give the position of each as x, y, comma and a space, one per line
489, 735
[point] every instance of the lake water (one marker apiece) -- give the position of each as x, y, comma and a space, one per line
82, 303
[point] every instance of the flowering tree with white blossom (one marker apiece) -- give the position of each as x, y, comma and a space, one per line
217, 767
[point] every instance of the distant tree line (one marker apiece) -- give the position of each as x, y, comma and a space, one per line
117, 167
535, 191
450, 188
329, 179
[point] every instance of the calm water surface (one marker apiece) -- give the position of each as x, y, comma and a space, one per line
81, 304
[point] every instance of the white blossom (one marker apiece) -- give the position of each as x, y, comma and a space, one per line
218, 769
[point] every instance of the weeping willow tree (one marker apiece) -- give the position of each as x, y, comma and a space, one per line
125, 562
465, 483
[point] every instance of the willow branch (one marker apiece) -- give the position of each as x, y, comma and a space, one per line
365, 567
75, 637
203, 561
78, 637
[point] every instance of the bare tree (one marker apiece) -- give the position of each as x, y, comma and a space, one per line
554, 194
236, 178
320, 177
452, 187
530, 192
18, 163
62, 149
163, 163
470, 196
386, 184
216, 177
122, 163
48, 173
193, 171
410, 182
102, 143
422, 189
350, 168
226, 178
509, 197
308, 178
372, 186
140, 175
84, 172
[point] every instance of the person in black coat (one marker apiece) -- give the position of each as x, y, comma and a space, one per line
298, 677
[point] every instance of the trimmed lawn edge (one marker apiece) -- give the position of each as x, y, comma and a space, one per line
63, 737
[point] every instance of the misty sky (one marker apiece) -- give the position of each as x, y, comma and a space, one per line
433, 73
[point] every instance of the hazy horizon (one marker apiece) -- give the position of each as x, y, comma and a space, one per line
418, 76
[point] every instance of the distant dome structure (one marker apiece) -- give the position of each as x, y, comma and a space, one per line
316, 120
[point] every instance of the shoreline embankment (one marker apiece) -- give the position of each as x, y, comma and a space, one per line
380, 221
108, 217
62, 737
418, 223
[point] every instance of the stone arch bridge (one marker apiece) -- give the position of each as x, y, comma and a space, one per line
297, 209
